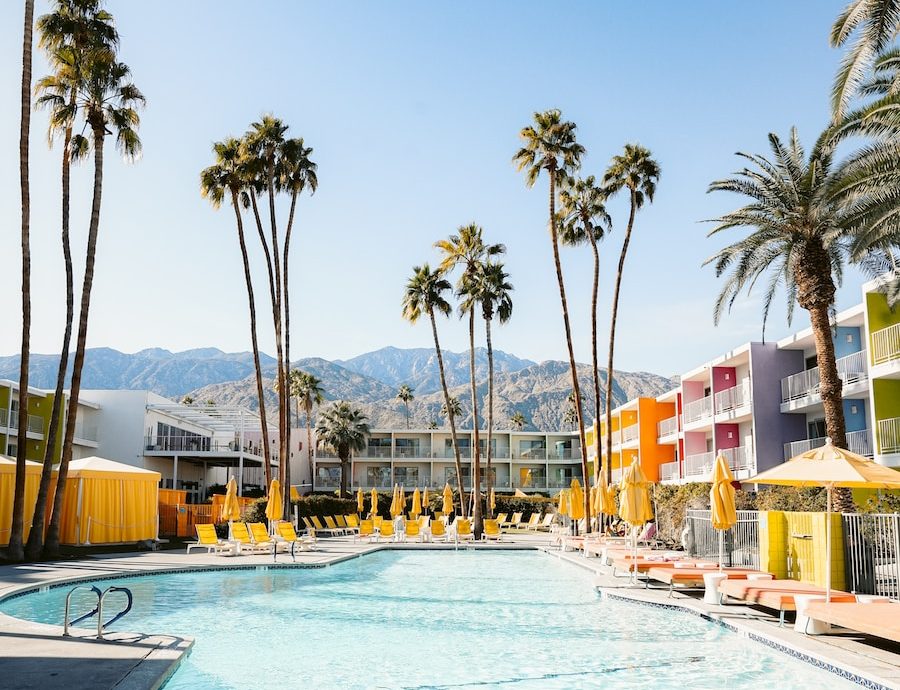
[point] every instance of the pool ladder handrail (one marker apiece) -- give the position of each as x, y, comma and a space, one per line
98, 610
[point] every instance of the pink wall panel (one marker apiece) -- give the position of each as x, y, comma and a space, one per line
721, 436
723, 377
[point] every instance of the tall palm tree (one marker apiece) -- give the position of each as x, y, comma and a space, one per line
875, 23
307, 391
452, 407
586, 221
635, 170
405, 395
15, 551
109, 101
468, 250
424, 294
344, 429
73, 31
549, 146
803, 213
226, 176
518, 421
489, 288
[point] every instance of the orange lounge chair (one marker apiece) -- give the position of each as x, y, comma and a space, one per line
879, 619
693, 577
643, 563
775, 594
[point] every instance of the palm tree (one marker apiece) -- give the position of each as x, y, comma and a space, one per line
586, 221
74, 30
549, 145
570, 416
226, 176
451, 408
803, 213
424, 294
15, 551
518, 421
635, 170
343, 429
875, 23
108, 100
468, 250
307, 391
489, 288
405, 395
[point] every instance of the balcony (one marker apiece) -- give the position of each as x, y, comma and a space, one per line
667, 427
858, 442
11, 421
530, 454
738, 458
886, 344
699, 466
565, 454
698, 409
86, 432
617, 437
733, 398
889, 435
669, 472
851, 369
418, 450
376, 452
631, 433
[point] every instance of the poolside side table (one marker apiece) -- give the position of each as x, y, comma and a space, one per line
711, 581
805, 624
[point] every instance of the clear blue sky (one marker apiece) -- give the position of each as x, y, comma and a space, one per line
413, 110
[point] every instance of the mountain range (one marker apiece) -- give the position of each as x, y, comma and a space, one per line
537, 390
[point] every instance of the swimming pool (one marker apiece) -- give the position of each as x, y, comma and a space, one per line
434, 619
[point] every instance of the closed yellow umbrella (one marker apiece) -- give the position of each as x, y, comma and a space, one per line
425, 504
830, 467
416, 509
401, 504
394, 501
607, 497
634, 501
576, 498
493, 500
373, 507
563, 498
360, 500
448, 499
721, 501
275, 507
231, 510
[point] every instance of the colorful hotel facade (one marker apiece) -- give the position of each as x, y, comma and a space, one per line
759, 403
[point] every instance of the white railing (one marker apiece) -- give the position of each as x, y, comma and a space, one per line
889, 435
857, 442
617, 437
86, 433
631, 432
667, 427
668, 472
698, 409
738, 458
886, 344
851, 369
733, 398
699, 465
11, 421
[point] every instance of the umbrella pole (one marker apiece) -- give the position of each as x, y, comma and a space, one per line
828, 543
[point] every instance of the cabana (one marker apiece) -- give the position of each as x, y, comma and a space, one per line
8, 490
109, 502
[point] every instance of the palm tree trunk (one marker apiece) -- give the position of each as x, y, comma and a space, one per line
36, 537
15, 551
612, 339
406, 403
51, 545
565, 310
450, 416
476, 449
309, 447
251, 301
594, 365
490, 412
287, 359
345, 468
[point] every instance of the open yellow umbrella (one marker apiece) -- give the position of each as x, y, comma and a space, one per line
416, 509
231, 510
448, 499
634, 501
721, 501
275, 506
373, 507
360, 500
830, 467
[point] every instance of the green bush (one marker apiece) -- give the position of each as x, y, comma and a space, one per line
325, 504
790, 498
256, 511
882, 502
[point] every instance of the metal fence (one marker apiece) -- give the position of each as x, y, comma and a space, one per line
741, 541
872, 553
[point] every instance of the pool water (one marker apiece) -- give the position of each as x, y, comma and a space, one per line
434, 619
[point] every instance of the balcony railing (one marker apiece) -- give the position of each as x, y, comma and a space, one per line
699, 465
733, 398
200, 444
886, 344
889, 435
738, 458
86, 432
698, 409
35, 423
667, 427
858, 442
668, 472
530, 454
617, 437
376, 452
565, 454
851, 369
631, 432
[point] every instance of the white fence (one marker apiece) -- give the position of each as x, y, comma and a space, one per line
858, 442
698, 409
872, 553
741, 541
668, 472
889, 435
851, 369
699, 465
738, 458
886, 344
733, 398
667, 427
630, 433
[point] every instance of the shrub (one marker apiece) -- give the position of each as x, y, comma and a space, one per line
325, 504
790, 498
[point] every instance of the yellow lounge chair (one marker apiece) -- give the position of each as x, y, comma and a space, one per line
501, 518
438, 531
533, 521
332, 525
209, 540
287, 536
352, 521
260, 535
341, 521
463, 530
319, 527
547, 523
514, 522
309, 525
366, 529
491, 530
377, 521
423, 521
412, 530
241, 535
386, 532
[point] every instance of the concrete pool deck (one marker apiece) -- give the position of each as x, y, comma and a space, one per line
38, 656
